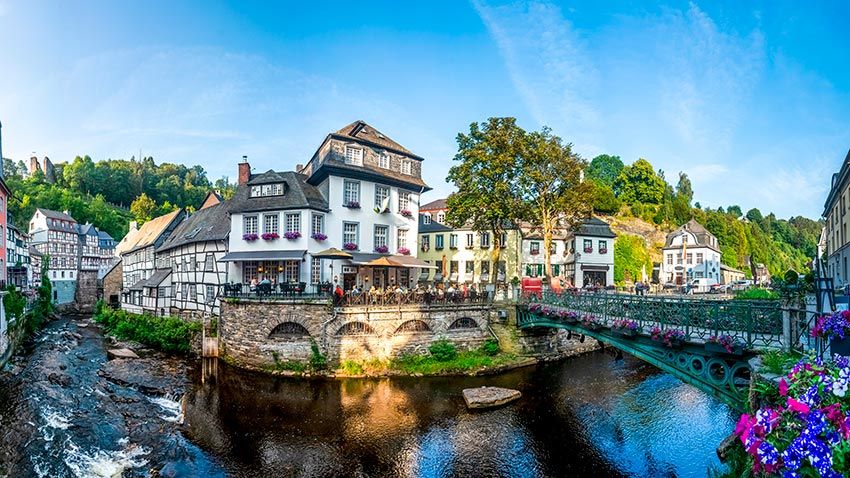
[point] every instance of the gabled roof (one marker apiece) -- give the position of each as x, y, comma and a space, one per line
433, 226
208, 224
104, 235
434, 205
362, 132
595, 227
88, 229
150, 231
211, 199
35, 252
298, 194
702, 234
51, 214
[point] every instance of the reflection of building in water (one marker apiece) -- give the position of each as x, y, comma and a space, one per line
375, 409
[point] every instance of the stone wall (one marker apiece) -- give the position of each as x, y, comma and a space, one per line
86, 293
112, 283
355, 333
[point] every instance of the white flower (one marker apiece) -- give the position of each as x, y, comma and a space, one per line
839, 388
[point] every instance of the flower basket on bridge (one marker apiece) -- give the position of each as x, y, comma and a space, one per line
590, 322
673, 338
724, 344
835, 328
626, 328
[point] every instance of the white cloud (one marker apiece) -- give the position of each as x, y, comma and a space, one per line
706, 172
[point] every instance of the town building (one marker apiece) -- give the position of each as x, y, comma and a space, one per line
106, 249
836, 215
533, 259
192, 256
4, 220
729, 275
19, 270
589, 255
56, 234
359, 192
762, 275
35, 257
145, 285
690, 252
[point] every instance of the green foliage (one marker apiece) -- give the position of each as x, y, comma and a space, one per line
757, 294
317, 360
443, 350
639, 183
490, 347
604, 170
462, 362
143, 209
14, 303
604, 200
168, 334
351, 367
779, 362
43, 305
630, 258
213, 327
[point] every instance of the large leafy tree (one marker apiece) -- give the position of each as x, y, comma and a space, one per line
488, 195
555, 197
604, 169
639, 183
143, 209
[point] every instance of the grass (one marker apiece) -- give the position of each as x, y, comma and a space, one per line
757, 294
463, 362
778, 362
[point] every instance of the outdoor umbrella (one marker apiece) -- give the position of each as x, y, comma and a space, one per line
332, 253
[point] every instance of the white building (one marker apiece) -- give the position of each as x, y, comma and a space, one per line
589, 259
359, 192
56, 234
690, 252
533, 259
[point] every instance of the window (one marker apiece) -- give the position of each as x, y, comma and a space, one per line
353, 156
209, 263
603, 247
588, 246
291, 272
553, 247
293, 222
350, 232
453, 267
402, 238
699, 258
403, 201
670, 259
690, 258
270, 223
250, 225
470, 240
315, 270
470, 268
351, 191
485, 269
679, 258
439, 242
485, 239
534, 248
406, 166
425, 242
384, 161
249, 272
441, 217
318, 224
426, 219
381, 233
452, 241
275, 189
382, 198
210, 297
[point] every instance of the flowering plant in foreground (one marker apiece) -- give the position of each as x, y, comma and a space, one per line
807, 431
668, 336
728, 342
626, 325
349, 246
404, 251
835, 326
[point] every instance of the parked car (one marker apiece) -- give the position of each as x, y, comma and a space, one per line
740, 285
700, 286
720, 288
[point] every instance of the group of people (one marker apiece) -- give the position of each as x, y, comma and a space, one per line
421, 292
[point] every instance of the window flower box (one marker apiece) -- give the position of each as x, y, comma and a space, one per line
318, 236
534, 252
270, 236
291, 235
404, 251
673, 338
352, 205
406, 213
588, 250
382, 249
590, 322
250, 237
349, 246
626, 328
603, 251
724, 344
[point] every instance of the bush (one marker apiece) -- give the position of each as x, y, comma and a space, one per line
443, 350
168, 334
14, 302
490, 347
317, 360
350, 367
757, 294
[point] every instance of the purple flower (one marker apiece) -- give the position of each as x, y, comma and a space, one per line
250, 237
349, 246
319, 236
292, 235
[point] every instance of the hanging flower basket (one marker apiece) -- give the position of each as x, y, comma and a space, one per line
382, 249
406, 213
319, 237
626, 328
349, 246
673, 338
724, 344
352, 205
250, 237
590, 322
292, 235
404, 251
270, 236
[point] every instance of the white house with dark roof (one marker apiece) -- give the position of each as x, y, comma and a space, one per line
359, 192
690, 252
589, 255
56, 235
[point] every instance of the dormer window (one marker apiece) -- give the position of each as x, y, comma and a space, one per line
406, 166
261, 190
353, 156
384, 161
426, 219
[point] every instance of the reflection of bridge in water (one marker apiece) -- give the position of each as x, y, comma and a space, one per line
755, 325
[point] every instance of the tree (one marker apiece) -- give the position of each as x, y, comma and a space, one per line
638, 183
143, 209
556, 199
734, 211
754, 215
488, 196
604, 169
631, 257
604, 200
684, 188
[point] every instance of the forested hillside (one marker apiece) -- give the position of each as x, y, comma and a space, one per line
639, 191
108, 193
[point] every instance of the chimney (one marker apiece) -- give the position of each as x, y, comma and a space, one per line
244, 172
134, 226
298, 168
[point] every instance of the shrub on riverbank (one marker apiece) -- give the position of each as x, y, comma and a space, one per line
757, 294
485, 356
168, 334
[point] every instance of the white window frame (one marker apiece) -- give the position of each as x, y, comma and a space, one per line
271, 223
351, 191
441, 217
382, 235
401, 238
403, 201
426, 218
293, 221
406, 167
484, 239
250, 224
317, 224
315, 270
381, 193
353, 155
384, 161
351, 236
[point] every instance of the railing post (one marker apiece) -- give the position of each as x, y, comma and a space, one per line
787, 339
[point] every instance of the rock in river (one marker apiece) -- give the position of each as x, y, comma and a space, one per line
122, 353
489, 397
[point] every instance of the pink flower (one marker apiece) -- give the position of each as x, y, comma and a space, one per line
743, 426
797, 406
783, 387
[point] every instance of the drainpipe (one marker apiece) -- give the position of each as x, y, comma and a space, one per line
325, 328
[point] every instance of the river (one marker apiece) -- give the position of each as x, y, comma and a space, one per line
586, 416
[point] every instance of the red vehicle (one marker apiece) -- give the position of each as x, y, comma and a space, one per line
532, 286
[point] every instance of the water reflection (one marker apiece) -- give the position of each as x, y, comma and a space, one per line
590, 416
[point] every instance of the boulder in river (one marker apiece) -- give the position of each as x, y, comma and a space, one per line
489, 397
122, 354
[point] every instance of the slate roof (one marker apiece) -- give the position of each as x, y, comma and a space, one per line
104, 235
437, 204
595, 227
35, 252
433, 227
88, 229
298, 194
49, 213
365, 133
208, 224
59, 216
150, 231
702, 234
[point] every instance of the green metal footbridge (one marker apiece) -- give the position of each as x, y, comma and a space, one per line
755, 326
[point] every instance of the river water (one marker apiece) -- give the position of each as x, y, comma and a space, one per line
587, 416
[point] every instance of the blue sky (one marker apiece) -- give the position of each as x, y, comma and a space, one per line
751, 99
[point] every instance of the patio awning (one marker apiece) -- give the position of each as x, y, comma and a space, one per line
263, 256
363, 258
412, 262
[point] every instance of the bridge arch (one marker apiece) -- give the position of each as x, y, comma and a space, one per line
289, 330
356, 328
412, 326
463, 323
